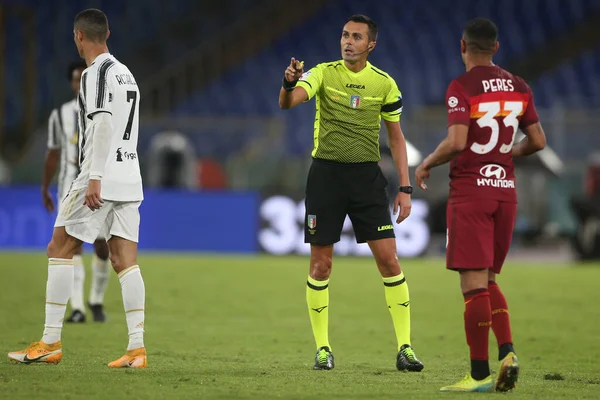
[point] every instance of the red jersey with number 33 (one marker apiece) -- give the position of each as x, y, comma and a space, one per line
494, 104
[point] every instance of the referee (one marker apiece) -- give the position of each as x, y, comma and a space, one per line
352, 96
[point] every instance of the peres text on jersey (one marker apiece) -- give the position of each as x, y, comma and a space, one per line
498, 85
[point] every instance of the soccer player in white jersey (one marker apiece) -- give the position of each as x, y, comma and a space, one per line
63, 145
105, 196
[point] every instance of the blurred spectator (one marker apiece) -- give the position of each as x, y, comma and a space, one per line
586, 240
171, 162
5, 174
592, 179
211, 174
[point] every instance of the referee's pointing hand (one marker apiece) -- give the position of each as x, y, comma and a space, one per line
294, 71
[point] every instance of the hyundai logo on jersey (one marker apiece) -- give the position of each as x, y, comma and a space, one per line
493, 171
495, 177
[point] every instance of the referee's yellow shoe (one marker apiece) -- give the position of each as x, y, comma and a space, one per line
135, 358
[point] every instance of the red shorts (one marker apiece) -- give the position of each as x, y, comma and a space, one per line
479, 234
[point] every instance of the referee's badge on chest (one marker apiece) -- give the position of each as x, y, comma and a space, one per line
354, 101
312, 222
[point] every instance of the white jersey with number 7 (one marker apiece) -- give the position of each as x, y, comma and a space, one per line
108, 86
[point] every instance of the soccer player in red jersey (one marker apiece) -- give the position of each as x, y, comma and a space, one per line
486, 105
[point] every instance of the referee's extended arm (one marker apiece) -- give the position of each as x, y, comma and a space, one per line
290, 95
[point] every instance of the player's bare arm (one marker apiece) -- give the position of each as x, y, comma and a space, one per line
534, 141
400, 157
450, 147
50, 166
290, 95
101, 128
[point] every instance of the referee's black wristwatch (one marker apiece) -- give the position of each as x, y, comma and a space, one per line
405, 189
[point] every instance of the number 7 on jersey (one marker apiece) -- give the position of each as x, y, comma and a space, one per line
131, 95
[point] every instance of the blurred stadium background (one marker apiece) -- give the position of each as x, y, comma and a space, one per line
212, 133
224, 171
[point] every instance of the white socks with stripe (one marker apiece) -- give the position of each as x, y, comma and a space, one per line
134, 296
58, 292
78, 279
100, 276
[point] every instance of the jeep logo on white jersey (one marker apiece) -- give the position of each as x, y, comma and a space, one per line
495, 177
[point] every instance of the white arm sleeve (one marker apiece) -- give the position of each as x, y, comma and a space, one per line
101, 128
96, 86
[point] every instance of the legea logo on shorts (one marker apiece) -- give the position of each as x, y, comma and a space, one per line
495, 177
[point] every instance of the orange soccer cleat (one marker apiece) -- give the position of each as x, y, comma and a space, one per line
38, 352
135, 358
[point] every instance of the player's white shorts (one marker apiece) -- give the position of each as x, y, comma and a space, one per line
114, 218
63, 190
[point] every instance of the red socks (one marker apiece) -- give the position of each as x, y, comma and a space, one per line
478, 319
500, 317
482, 307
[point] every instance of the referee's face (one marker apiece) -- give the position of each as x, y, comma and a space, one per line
355, 41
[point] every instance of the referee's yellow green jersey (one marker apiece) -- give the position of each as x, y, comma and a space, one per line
350, 106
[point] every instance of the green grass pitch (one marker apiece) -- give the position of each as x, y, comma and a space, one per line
233, 327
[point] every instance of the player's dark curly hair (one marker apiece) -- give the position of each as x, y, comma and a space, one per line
481, 35
363, 19
75, 65
93, 23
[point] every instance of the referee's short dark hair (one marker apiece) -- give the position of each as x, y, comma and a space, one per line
480, 35
75, 65
93, 23
363, 19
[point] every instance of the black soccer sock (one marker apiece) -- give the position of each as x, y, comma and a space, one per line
504, 349
480, 369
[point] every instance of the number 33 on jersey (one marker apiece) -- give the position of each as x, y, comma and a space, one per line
494, 104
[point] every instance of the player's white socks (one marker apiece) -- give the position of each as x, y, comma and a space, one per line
100, 277
134, 297
78, 279
58, 292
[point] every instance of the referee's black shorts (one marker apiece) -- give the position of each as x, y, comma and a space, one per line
334, 190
